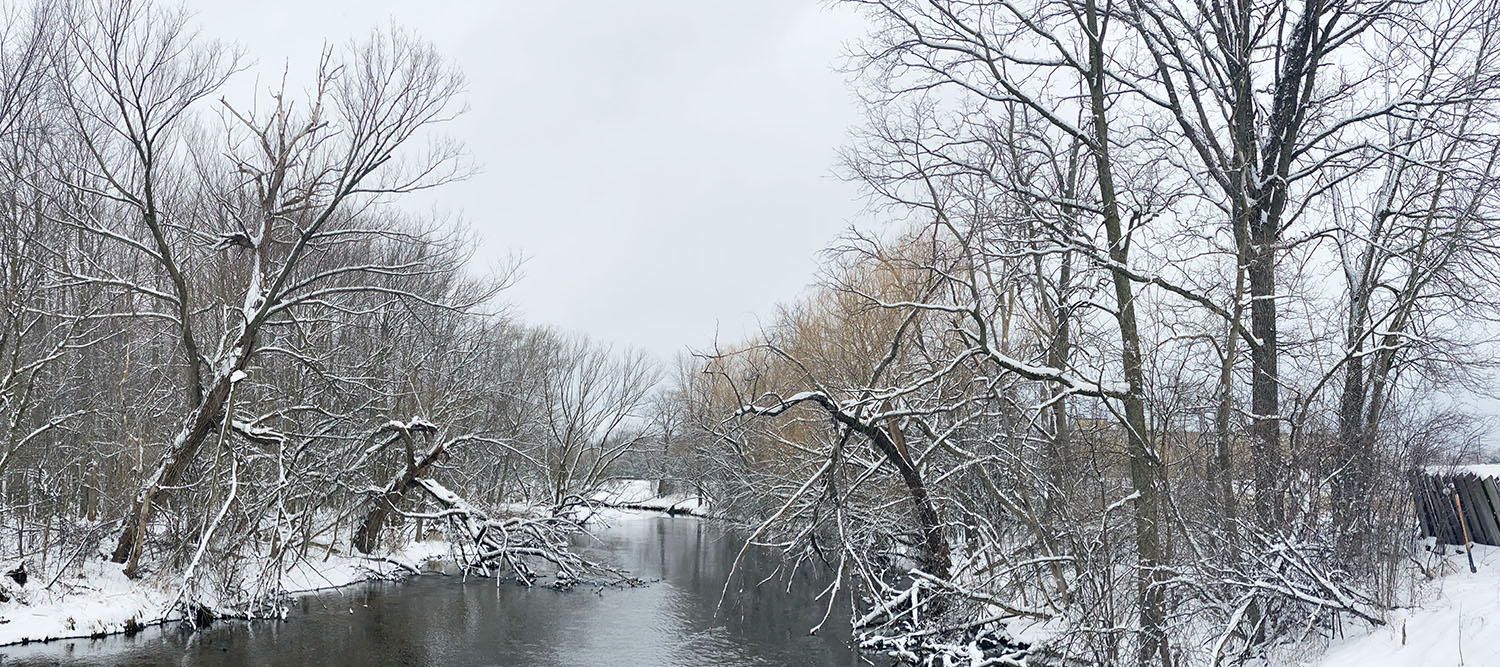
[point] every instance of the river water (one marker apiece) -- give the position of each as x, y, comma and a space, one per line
436, 620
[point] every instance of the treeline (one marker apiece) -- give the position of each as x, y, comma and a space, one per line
215, 308
1163, 303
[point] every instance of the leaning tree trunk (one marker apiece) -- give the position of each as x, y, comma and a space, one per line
935, 551
201, 422
367, 537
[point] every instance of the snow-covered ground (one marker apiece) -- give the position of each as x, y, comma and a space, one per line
1452, 619
1456, 620
102, 600
641, 494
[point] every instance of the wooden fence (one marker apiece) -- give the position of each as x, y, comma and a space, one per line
1479, 495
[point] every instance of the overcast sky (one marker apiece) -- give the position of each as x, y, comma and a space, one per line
665, 167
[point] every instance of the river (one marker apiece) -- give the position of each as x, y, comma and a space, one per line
438, 620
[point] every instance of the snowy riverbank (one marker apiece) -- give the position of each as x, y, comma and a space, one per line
644, 494
1450, 620
100, 600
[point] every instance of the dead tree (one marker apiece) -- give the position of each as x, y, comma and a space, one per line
519, 543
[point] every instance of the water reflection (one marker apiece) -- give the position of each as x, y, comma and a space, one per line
443, 621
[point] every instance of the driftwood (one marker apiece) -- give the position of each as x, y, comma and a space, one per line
520, 544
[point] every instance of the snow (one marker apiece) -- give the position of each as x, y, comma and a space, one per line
641, 494
623, 491
102, 599
1451, 619
339, 571
608, 516
101, 602
1480, 470
1456, 621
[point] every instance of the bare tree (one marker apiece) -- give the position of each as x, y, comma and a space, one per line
593, 404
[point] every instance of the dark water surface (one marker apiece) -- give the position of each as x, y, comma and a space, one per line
434, 620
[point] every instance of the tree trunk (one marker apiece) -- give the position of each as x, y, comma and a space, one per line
1265, 379
892, 445
201, 422
935, 552
1144, 463
367, 537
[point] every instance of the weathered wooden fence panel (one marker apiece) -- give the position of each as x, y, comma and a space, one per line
1434, 493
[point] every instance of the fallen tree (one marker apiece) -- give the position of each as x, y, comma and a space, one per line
520, 543
526, 546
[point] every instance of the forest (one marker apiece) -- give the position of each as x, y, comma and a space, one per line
1154, 311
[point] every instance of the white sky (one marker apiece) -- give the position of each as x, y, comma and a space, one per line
665, 167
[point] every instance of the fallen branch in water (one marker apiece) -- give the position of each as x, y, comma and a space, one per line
522, 544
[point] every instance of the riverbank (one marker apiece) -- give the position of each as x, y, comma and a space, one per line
1445, 621
679, 620
100, 600
645, 494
